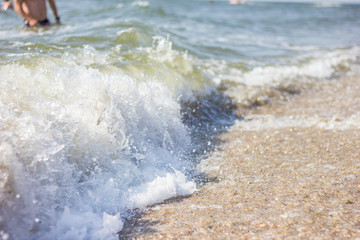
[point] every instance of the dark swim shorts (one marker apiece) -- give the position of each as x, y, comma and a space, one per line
45, 23
42, 23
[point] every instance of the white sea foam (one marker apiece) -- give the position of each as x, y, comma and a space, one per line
261, 122
161, 189
260, 84
319, 67
141, 3
306, 68
74, 140
327, 4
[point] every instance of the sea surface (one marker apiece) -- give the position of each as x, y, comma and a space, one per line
112, 110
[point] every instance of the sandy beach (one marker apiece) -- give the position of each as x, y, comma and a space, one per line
289, 170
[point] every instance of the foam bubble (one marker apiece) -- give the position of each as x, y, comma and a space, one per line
162, 188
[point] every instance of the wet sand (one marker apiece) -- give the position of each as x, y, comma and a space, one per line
289, 170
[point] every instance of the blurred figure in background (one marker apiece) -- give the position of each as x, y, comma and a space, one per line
34, 12
236, 2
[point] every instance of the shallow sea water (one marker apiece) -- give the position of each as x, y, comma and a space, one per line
112, 110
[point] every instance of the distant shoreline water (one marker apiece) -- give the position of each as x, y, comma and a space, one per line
112, 110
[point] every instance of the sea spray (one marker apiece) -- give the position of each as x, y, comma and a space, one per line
75, 141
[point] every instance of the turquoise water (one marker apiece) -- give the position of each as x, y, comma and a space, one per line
111, 110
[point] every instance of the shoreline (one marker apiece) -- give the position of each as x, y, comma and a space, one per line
288, 170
